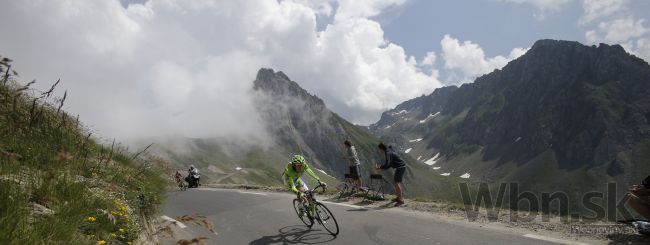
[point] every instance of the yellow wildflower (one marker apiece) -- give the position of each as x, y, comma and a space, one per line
91, 219
101, 242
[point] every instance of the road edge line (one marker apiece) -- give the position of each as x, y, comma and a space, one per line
254, 193
176, 222
551, 239
344, 204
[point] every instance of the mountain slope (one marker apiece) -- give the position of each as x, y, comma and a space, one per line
563, 117
301, 123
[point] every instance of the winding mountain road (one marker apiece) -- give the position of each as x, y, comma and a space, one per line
252, 217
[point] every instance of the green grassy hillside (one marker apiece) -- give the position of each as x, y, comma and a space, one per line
57, 184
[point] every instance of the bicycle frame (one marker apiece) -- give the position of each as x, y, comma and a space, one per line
315, 210
311, 200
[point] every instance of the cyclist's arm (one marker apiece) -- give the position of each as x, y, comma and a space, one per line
290, 184
311, 173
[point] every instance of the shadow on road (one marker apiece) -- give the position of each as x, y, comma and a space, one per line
296, 234
365, 204
358, 210
628, 239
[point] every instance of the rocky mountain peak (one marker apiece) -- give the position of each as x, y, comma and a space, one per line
563, 105
277, 84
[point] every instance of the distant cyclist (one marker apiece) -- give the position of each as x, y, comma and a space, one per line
292, 173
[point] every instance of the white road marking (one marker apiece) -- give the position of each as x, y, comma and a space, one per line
344, 204
254, 193
550, 239
176, 222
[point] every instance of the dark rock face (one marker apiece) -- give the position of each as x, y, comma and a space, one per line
584, 103
301, 123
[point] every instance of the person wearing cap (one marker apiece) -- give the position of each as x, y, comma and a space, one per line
292, 173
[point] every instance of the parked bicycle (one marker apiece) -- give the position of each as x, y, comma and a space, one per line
349, 187
311, 210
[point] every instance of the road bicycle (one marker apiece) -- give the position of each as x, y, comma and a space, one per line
311, 209
349, 187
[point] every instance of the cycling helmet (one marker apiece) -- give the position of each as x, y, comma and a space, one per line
298, 159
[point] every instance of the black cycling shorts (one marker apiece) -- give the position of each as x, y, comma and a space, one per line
354, 171
399, 174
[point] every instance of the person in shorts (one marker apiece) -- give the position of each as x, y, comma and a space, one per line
392, 159
353, 160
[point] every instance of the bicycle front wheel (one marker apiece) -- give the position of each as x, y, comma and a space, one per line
326, 219
302, 215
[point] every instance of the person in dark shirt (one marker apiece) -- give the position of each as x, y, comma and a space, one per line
392, 159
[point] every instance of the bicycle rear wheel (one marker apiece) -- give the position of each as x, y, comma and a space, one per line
325, 217
304, 218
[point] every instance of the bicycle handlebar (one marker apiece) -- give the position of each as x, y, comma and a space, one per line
322, 186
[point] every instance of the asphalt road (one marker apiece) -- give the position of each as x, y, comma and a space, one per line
251, 217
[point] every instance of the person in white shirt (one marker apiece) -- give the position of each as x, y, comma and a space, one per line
353, 160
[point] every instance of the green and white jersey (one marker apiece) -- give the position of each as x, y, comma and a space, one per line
292, 178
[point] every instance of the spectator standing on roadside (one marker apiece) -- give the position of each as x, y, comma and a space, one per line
392, 159
353, 159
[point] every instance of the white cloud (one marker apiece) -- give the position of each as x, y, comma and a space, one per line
543, 5
618, 26
470, 59
595, 9
642, 48
429, 59
363, 8
185, 67
617, 31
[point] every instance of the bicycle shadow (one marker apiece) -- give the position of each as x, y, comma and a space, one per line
295, 234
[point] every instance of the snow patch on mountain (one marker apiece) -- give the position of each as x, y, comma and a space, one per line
433, 160
430, 116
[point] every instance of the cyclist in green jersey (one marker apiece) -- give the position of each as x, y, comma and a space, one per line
292, 173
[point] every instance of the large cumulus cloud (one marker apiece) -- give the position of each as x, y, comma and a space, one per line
185, 67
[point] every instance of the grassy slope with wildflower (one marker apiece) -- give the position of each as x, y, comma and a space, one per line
57, 184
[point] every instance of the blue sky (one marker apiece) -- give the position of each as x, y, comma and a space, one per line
497, 26
167, 62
